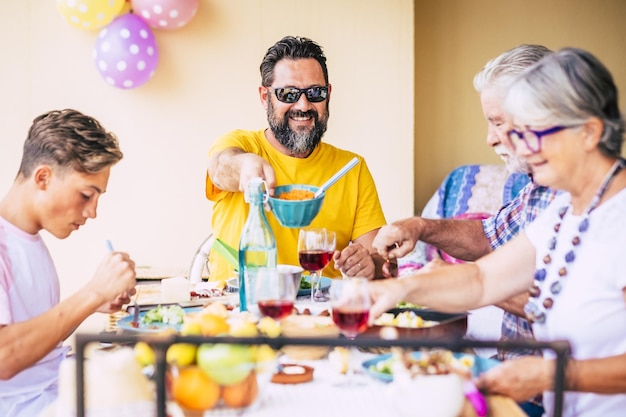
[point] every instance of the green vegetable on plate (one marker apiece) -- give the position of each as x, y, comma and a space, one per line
166, 315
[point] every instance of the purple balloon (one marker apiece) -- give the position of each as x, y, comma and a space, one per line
126, 53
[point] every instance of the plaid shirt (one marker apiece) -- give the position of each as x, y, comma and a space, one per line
510, 220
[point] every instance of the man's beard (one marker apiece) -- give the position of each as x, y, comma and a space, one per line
514, 163
297, 142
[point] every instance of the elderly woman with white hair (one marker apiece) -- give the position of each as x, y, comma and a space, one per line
568, 128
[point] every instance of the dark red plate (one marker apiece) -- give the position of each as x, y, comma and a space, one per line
448, 325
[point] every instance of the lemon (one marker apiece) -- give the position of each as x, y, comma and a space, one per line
263, 353
191, 328
269, 327
243, 328
216, 309
339, 359
213, 325
264, 356
144, 354
181, 354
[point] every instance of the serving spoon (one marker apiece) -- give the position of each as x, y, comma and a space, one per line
335, 177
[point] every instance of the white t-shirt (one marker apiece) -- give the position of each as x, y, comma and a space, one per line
29, 286
590, 311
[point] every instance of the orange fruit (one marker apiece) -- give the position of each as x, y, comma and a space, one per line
242, 394
212, 325
194, 390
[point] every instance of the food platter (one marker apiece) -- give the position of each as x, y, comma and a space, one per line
325, 284
441, 325
126, 323
479, 366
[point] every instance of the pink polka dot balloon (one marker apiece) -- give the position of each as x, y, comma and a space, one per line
165, 14
126, 53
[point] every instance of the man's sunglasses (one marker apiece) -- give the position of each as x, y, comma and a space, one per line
292, 94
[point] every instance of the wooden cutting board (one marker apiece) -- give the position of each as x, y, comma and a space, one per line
499, 406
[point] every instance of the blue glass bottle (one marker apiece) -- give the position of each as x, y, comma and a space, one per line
257, 246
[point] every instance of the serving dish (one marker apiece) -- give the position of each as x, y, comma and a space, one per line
295, 213
445, 325
479, 366
126, 323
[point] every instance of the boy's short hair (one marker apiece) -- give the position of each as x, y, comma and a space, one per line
69, 140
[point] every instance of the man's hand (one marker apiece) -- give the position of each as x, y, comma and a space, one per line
232, 168
390, 268
114, 280
254, 166
397, 239
515, 305
355, 260
117, 303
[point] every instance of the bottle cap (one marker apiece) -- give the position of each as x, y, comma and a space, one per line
254, 185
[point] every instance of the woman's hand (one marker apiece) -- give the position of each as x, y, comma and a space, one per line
385, 295
520, 379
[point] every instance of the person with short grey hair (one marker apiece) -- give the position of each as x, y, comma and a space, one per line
568, 127
492, 83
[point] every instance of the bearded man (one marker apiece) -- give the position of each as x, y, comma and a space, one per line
295, 92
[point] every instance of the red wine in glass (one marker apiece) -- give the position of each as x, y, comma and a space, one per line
315, 250
314, 260
350, 301
276, 309
351, 322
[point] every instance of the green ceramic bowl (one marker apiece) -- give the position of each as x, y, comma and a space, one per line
295, 213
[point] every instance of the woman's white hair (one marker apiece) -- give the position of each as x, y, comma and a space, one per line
567, 88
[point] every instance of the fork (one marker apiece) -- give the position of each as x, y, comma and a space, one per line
135, 322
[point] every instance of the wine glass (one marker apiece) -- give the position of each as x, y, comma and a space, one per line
275, 293
350, 303
315, 250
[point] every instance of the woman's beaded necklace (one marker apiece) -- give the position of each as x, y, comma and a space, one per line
535, 309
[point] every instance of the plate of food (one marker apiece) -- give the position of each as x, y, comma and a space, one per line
158, 319
435, 362
305, 285
415, 322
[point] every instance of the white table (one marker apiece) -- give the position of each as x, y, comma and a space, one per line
318, 398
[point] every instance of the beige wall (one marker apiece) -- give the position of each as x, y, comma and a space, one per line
205, 84
455, 38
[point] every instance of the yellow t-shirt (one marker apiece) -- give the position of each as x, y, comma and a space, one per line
351, 206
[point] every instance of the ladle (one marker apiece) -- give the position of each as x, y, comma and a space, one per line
335, 177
